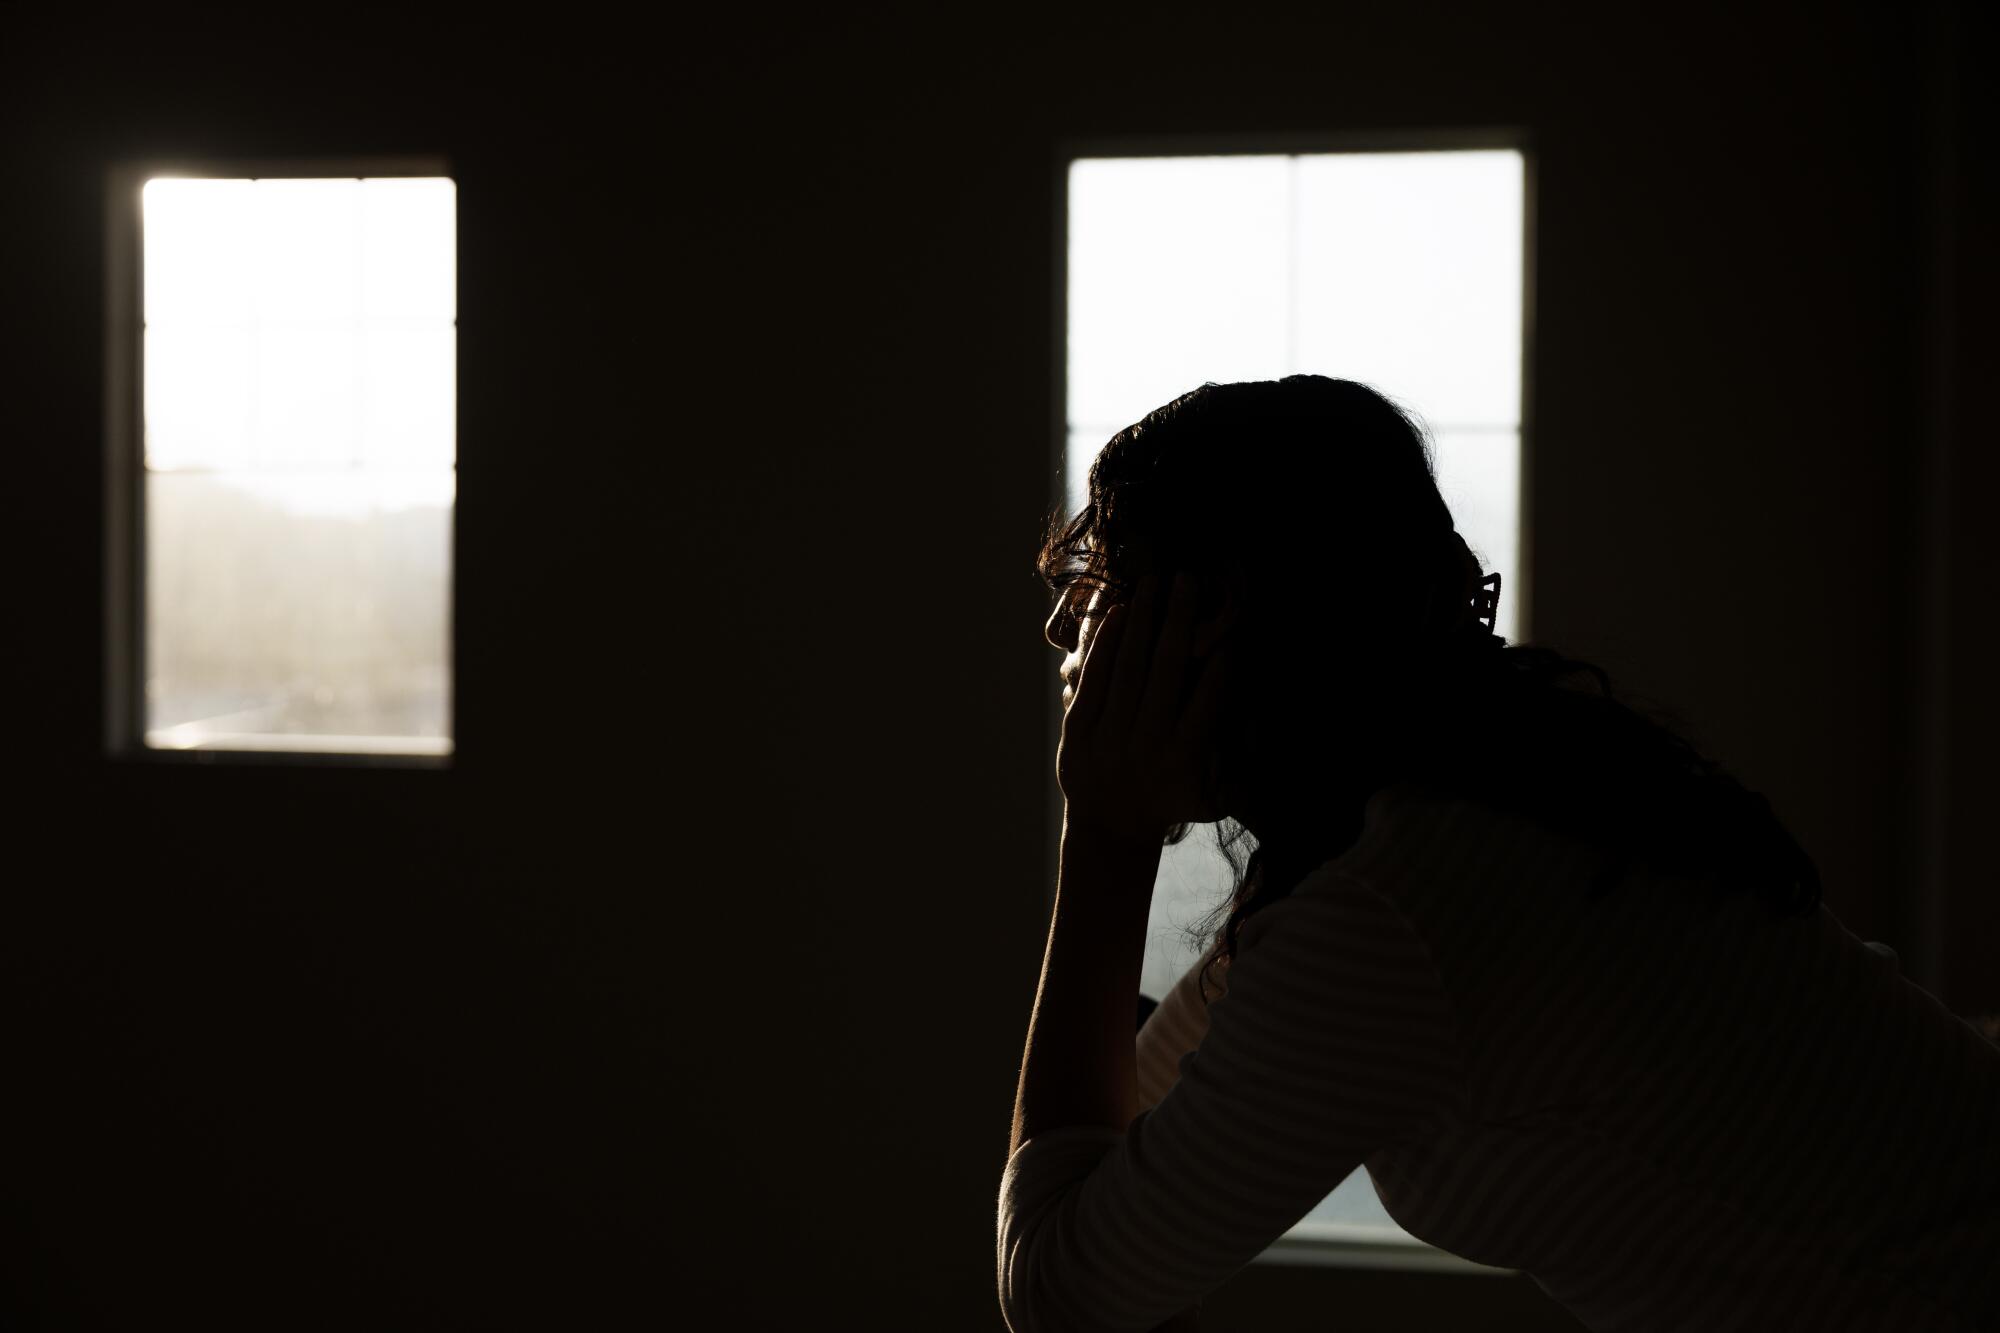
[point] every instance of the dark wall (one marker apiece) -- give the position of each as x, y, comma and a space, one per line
698, 982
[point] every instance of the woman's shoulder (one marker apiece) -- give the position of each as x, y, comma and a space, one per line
1413, 798
1422, 835
1418, 804
1408, 814
1399, 822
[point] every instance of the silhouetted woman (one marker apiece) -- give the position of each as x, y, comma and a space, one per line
1562, 985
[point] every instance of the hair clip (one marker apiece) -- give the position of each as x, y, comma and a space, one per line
1487, 600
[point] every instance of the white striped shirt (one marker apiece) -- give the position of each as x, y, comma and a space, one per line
1673, 1107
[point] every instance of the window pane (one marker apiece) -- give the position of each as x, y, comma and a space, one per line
199, 235
1355, 1204
1077, 455
299, 389
408, 407
307, 249
300, 607
409, 266
1401, 270
1177, 274
201, 398
308, 395
1409, 279
1479, 473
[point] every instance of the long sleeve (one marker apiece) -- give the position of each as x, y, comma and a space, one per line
1335, 1040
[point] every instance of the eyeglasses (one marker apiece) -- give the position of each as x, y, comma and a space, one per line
1075, 606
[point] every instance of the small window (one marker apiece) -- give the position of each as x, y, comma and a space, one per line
1402, 269
283, 443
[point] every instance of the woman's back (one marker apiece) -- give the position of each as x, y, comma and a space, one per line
1682, 1108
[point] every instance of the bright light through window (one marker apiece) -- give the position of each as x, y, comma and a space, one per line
300, 402
1402, 270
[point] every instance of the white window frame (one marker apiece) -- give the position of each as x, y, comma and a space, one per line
124, 509
1311, 1243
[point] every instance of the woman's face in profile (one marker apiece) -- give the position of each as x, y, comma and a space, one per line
1071, 627
1074, 623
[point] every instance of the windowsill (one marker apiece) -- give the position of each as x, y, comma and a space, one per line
199, 736
220, 753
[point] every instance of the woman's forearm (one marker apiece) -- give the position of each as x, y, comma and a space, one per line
1079, 1064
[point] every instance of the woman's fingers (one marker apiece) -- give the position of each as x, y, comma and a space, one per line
1199, 725
1135, 659
1139, 733
1167, 682
1093, 684
1136, 671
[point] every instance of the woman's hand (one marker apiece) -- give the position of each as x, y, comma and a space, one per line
1139, 741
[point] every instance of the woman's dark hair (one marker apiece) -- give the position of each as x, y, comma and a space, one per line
1359, 638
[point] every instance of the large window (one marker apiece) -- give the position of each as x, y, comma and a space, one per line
1404, 270
284, 449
